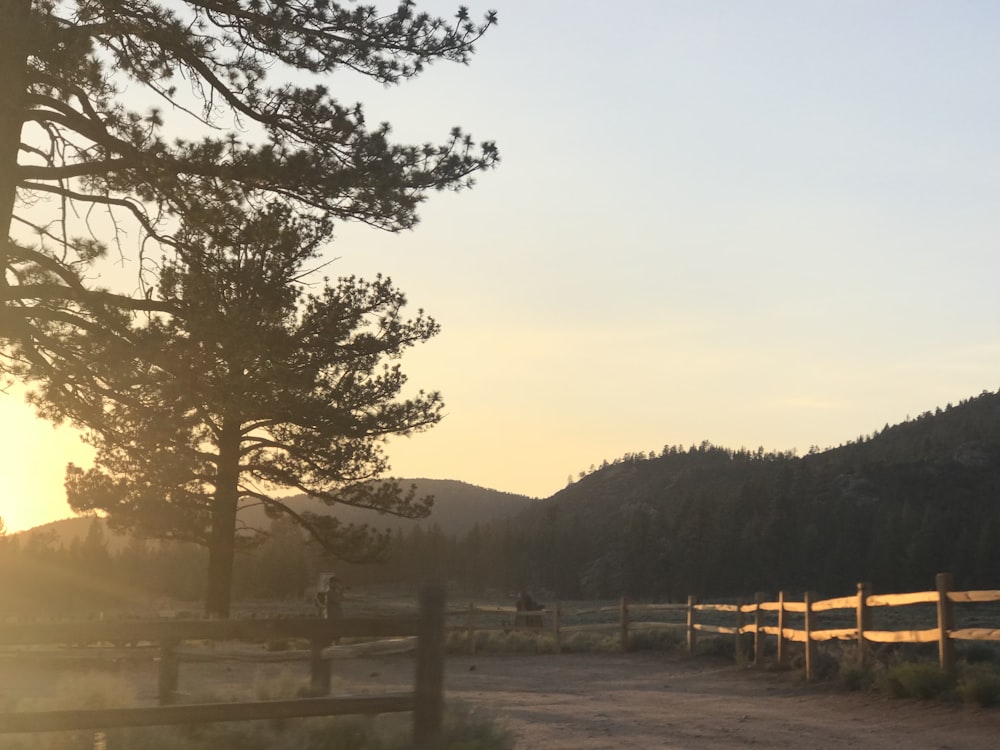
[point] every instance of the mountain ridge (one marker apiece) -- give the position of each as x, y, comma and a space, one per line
458, 506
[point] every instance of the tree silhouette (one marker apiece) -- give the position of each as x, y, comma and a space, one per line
200, 140
119, 116
252, 388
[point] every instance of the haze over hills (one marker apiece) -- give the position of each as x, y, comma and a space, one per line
458, 506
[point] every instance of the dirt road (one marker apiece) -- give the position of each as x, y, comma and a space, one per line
647, 700
597, 701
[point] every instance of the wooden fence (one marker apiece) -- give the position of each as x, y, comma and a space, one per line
426, 701
749, 619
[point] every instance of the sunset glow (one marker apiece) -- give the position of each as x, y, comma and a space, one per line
759, 224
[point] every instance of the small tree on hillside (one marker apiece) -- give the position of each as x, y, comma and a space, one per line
253, 388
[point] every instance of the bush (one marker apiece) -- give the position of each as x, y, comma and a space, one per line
590, 643
980, 685
856, 677
826, 666
719, 646
916, 680
854, 671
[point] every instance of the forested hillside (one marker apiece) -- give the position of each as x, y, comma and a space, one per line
892, 508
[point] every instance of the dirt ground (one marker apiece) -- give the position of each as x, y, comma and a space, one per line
649, 700
640, 700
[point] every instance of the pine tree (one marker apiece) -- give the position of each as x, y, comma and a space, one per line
186, 387
255, 387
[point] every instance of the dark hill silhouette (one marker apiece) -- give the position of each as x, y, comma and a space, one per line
893, 508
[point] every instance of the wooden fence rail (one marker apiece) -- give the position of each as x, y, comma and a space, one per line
426, 701
691, 620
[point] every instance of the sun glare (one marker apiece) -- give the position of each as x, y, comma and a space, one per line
33, 460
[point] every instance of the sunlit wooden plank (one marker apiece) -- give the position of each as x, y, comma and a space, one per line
975, 634
842, 602
716, 607
842, 634
902, 636
974, 596
897, 600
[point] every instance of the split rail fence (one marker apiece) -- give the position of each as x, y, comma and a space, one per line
426, 701
750, 619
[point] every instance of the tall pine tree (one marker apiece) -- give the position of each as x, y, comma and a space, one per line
253, 388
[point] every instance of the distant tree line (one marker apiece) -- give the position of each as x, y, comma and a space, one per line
98, 573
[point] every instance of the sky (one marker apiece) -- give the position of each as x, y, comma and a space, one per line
755, 223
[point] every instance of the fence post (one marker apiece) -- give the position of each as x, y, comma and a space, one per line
623, 635
167, 677
319, 668
811, 650
781, 628
946, 623
740, 621
429, 693
556, 614
471, 628
758, 639
691, 632
864, 620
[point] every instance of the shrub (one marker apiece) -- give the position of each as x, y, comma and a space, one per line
855, 671
720, 646
916, 680
980, 685
590, 643
826, 666
856, 677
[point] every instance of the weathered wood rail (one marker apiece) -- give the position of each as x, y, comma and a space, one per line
749, 619
426, 701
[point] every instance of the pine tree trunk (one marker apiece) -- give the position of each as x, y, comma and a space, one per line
222, 540
15, 17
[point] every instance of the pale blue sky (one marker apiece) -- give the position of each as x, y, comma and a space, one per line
756, 223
